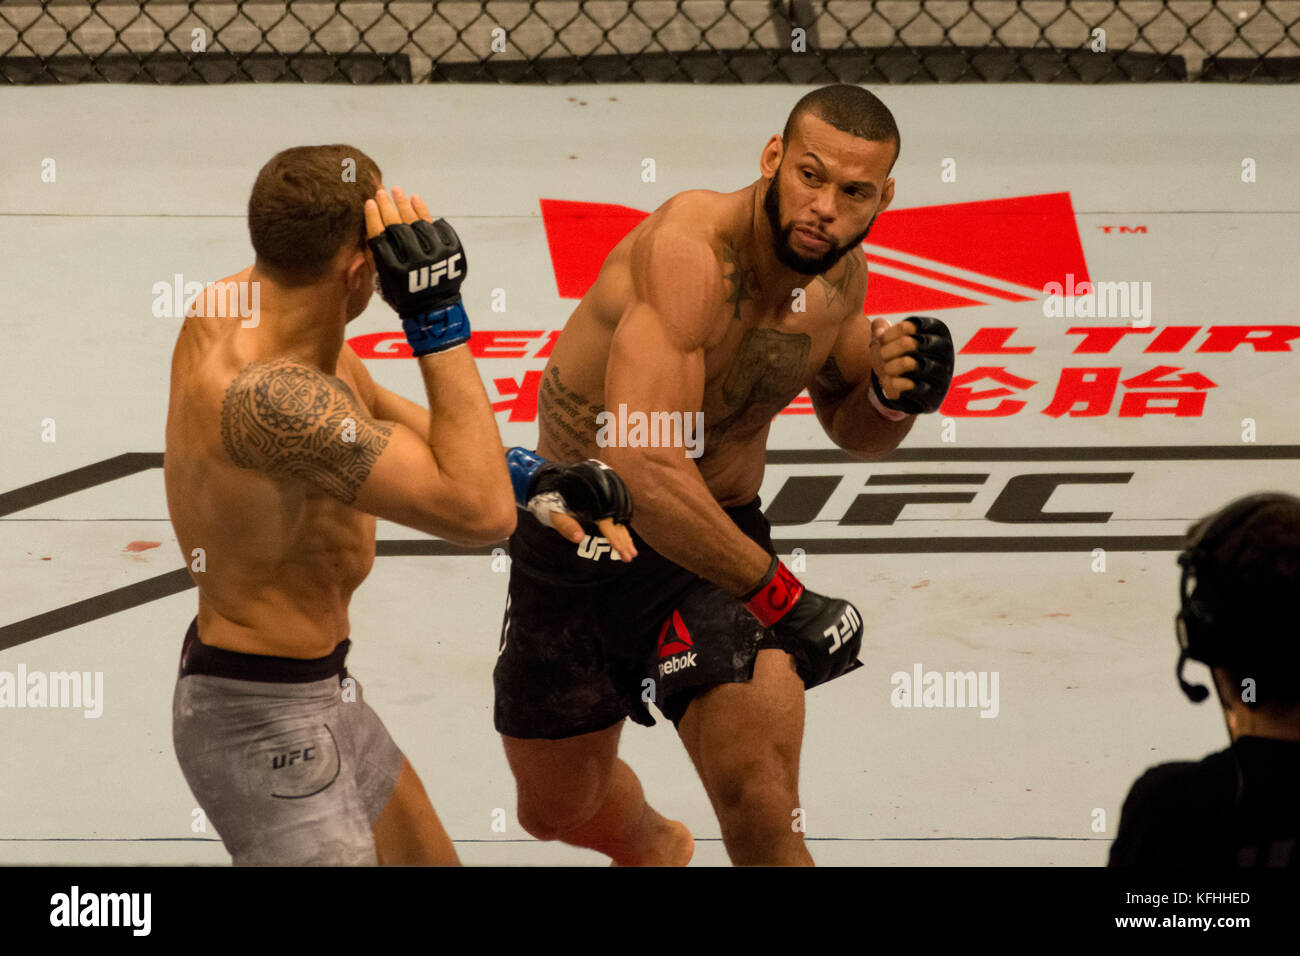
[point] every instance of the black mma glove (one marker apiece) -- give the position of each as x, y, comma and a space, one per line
826, 632
933, 372
421, 266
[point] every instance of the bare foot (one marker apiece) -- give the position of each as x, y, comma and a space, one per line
670, 844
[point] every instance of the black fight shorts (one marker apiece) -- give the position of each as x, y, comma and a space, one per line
588, 640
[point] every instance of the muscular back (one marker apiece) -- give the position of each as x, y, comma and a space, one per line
757, 357
281, 554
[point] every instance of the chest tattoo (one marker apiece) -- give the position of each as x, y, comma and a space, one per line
840, 289
742, 279
766, 373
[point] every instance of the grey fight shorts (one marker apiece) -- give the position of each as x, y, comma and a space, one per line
284, 756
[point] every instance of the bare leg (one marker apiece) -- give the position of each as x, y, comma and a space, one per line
744, 740
577, 790
408, 831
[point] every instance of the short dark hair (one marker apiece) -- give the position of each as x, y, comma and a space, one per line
307, 203
1250, 581
850, 109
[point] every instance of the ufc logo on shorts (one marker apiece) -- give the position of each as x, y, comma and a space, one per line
419, 279
292, 757
593, 546
837, 633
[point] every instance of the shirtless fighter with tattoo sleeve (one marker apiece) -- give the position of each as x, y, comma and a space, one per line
281, 451
697, 310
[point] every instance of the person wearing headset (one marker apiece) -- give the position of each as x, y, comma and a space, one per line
1239, 806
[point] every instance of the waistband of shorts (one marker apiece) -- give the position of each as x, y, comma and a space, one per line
200, 658
752, 510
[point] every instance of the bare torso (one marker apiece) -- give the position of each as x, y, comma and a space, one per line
280, 559
756, 359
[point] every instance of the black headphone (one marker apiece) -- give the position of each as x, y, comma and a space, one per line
1198, 633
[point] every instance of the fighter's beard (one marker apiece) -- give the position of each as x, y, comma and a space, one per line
785, 252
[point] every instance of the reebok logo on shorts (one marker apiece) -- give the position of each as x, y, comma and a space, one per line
675, 645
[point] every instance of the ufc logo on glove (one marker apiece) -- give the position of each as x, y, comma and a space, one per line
849, 622
418, 279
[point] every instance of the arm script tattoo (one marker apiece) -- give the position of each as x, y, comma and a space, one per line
286, 419
569, 419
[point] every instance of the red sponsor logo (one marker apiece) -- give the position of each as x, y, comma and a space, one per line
922, 259
673, 636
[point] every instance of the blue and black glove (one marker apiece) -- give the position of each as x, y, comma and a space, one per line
421, 266
589, 490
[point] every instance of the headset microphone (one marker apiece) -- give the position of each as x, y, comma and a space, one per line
1200, 637
1191, 622
1195, 692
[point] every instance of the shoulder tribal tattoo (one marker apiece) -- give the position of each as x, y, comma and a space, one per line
284, 418
743, 281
